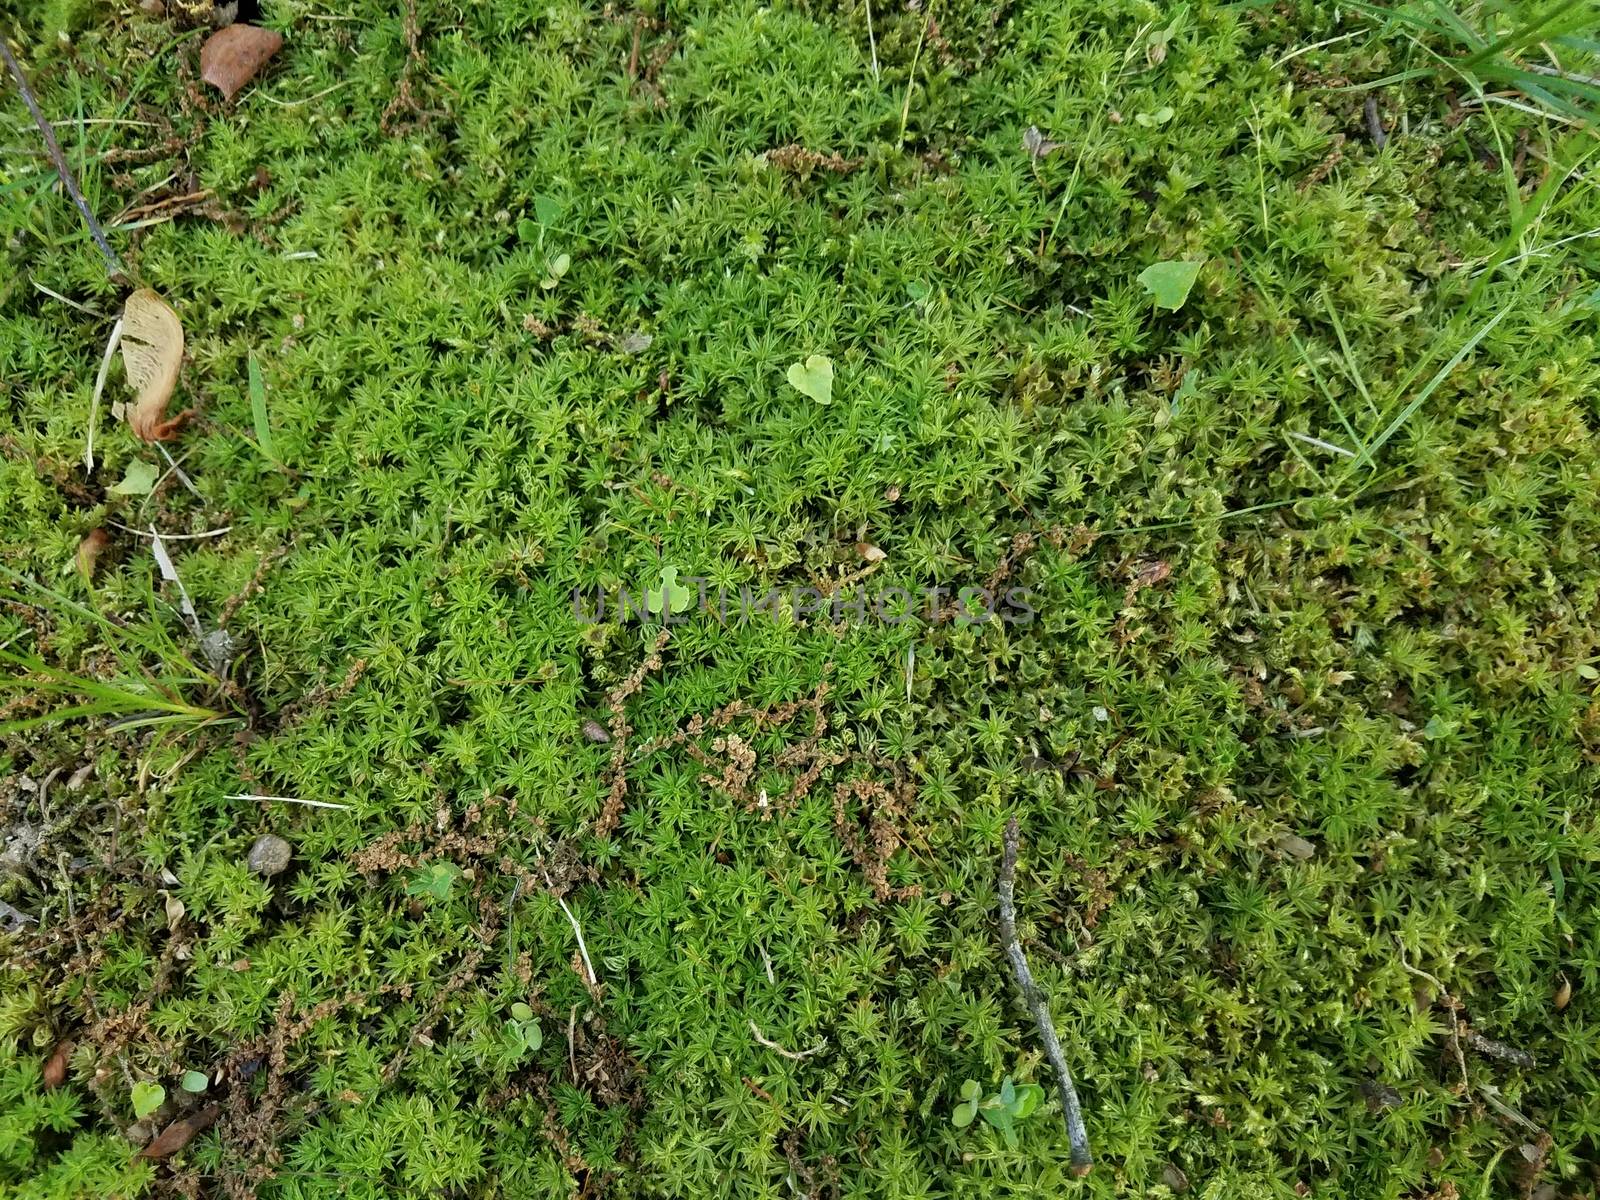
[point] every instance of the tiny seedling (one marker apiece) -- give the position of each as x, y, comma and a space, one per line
147, 1097
556, 271
523, 1030
1012, 1103
433, 880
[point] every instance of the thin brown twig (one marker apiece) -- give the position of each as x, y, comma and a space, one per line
114, 265
1033, 998
1450, 1003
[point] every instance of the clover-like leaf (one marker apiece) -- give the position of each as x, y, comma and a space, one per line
962, 1117
434, 879
147, 1097
813, 378
1170, 282
670, 597
1029, 1096
521, 1012
972, 1090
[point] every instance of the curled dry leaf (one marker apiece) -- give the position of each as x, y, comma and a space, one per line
90, 550
55, 1067
180, 1133
1036, 145
152, 352
232, 57
870, 553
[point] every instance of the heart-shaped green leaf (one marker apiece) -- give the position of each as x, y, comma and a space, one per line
813, 378
147, 1097
137, 480
1169, 282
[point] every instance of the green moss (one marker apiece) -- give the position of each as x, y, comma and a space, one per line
1241, 637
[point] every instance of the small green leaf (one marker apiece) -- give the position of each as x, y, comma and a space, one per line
521, 1012
1439, 727
972, 1090
1008, 1092
813, 378
547, 209
532, 1035
258, 411
147, 1097
962, 1117
1029, 1095
434, 879
1010, 1130
1169, 282
194, 1081
670, 597
137, 480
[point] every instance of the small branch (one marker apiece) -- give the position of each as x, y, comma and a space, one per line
1380, 139
114, 265
755, 1031
1450, 1003
1077, 1135
594, 980
285, 800
1492, 1049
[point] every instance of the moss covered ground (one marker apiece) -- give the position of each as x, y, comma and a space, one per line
1290, 680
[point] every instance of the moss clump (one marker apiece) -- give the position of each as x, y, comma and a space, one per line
1302, 731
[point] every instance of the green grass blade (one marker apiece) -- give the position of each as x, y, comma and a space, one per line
1433, 384
258, 411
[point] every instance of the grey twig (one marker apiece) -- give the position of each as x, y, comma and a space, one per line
1489, 1047
1380, 139
1077, 1135
113, 263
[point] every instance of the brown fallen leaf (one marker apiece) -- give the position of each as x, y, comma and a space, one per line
152, 352
180, 1133
231, 57
869, 552
90, 550
55, 1067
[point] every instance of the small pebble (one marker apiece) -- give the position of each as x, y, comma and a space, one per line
269, 855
